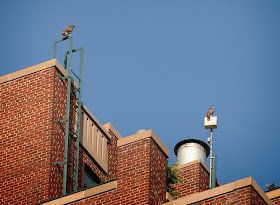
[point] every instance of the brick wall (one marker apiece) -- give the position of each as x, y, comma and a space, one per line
32, 140
112, 157
25, 139
141, 176
136, 168
246, 195
195, 179
276, 201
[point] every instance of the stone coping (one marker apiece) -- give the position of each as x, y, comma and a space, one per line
249, 181
109, 126
33, 69
83, 194
169, 197
143, 135
195, 162
273, 194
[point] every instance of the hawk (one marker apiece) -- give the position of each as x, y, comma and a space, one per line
68, 30
210, 112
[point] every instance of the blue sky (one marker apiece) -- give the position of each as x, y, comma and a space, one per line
162, 64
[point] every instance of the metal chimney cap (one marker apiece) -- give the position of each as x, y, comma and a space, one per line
205, 146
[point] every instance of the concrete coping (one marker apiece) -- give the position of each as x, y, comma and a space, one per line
169, 197
143, 135
110, 127
83, 194
196, 162
249, 181
273, 194
33, 69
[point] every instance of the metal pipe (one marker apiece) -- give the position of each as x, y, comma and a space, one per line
211, 147
67, 117
79, 118
213, 175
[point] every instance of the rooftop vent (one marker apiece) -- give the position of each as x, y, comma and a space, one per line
190, 150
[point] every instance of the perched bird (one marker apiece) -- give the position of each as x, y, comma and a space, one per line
68, 30
210, 112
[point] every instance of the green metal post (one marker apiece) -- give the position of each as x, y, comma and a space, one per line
54, 49
57, 41
67, 116
213, 167
78, 121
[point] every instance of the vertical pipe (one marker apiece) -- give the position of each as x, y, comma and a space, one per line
54, 50
67, 118
211, 147
213, 175
78, 121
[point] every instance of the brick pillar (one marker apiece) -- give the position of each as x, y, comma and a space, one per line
196, 178
26, 131
142, 169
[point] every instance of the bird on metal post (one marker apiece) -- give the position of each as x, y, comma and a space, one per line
210, 112
68, 30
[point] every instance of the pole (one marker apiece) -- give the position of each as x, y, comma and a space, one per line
213, 175
211, 147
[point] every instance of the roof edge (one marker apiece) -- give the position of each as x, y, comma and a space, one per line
143, 135
249, 181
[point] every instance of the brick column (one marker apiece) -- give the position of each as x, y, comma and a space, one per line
142, 169
196, 178
26, 131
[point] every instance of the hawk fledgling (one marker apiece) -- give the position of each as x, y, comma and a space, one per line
210, 112
68, 30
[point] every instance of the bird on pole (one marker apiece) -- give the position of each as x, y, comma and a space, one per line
210, 112
68, 30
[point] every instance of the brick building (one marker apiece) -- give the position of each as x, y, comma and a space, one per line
127, 170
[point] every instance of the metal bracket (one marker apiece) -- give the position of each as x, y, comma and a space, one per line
60, 163
64, 120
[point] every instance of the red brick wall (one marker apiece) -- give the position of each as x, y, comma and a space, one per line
32, 140
276, 201
246, 195
112, 157
158, 170
141, 176
195, 179
57, 142
25, 139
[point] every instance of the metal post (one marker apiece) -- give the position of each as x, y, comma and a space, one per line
213, 175
78, 121
211, 147
67, 116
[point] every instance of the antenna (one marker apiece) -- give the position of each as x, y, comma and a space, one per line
211, 123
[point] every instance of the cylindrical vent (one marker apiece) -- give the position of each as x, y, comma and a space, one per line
191, 150
140, 131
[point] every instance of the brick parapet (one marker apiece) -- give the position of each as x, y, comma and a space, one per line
244, 191
274, 196
195, 178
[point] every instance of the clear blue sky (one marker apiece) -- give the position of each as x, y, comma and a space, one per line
162, 64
